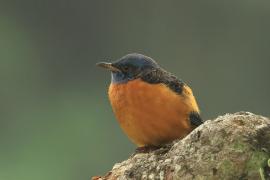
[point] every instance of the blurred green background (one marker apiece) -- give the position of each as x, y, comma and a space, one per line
55, 119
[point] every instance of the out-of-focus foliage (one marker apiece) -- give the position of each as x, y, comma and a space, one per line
55, 119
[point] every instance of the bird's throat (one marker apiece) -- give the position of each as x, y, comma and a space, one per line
119, 78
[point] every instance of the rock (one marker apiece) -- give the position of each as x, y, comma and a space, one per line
233, 146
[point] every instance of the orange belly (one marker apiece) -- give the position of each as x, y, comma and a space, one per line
151, 114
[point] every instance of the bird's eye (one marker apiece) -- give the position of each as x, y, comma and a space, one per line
125, 68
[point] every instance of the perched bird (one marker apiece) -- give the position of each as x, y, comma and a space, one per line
152, 106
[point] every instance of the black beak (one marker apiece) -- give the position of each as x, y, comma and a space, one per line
108, 66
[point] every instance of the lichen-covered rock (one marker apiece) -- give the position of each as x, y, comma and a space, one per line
233, 146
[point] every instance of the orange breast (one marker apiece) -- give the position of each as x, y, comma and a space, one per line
151, 114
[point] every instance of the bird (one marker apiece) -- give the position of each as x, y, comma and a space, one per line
152, 106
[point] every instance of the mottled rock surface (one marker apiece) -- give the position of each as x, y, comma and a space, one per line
233, 146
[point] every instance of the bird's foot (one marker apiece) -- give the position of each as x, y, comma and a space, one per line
162, 149
146, 149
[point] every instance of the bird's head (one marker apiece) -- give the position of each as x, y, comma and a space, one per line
129, 67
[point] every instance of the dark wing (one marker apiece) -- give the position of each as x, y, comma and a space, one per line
161, 76
195, 119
